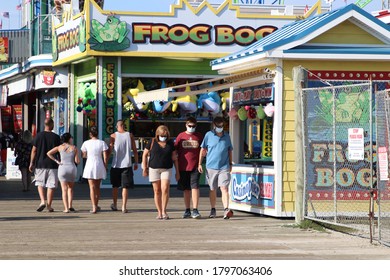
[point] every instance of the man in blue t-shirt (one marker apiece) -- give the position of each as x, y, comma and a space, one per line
218, 148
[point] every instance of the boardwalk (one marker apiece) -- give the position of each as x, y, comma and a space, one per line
27, 234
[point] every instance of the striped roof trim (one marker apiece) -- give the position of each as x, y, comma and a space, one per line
297, 30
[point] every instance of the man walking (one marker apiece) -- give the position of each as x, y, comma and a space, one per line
218, 146
188, 147
46, 170
121, 174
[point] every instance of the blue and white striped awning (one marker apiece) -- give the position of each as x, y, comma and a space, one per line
300, 29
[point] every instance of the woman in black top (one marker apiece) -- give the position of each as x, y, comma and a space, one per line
23, 153
162, 157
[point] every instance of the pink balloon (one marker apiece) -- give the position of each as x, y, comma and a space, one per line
233, 114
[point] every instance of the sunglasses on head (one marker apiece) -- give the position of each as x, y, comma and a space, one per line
191, 125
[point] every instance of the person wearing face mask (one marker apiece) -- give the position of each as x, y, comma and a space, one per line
188, 147
218, 147
162, 157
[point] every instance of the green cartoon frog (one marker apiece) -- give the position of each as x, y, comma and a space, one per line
110, 36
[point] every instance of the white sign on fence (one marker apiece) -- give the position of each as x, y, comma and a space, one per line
383, 164
355, 143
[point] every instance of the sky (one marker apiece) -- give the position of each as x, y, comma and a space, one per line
13, 22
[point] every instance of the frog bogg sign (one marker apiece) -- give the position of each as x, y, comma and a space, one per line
198, 34
109, 87
353, 177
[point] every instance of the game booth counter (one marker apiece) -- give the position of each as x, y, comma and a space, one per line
114, 56
342, 47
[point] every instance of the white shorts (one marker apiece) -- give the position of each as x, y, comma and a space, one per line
47, 178
218, 178
159, 174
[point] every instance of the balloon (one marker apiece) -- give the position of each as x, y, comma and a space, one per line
233, 114
269, 110
251, 113
242, 114
260, 112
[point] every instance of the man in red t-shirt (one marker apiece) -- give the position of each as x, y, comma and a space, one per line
188, 147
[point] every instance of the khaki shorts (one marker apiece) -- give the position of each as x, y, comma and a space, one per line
218, 178
159, 174
47, 178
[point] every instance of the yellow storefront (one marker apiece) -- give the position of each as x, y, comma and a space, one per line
342, 46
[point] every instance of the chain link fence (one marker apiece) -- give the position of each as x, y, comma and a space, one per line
339, 136
382, 105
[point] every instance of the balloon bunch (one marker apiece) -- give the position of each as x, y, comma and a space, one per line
251, 112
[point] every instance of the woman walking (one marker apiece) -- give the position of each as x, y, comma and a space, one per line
67, 171
23, 153
95, 151
161, 151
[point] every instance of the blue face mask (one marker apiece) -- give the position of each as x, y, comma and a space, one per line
162, 139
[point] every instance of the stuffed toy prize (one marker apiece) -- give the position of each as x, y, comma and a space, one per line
187, 102
131, 92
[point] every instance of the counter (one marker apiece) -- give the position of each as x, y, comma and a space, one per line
252, 189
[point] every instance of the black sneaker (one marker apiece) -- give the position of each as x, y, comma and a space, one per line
195, 214
187, 214
213, 213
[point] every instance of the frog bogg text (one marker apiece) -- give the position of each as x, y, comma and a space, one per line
68, 39
199, 34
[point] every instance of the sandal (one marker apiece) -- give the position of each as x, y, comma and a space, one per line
165, 217
71, 209
66, 211
92, 212
41, 207
159, 218
125, 211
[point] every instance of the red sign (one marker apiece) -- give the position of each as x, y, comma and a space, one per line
6, 118
48, 77
18, 120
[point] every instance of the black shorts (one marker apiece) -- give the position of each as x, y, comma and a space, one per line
188, 180
122, 177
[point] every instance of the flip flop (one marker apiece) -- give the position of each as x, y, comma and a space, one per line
159, 218
71, 209
125, 211
50, 210
41, 207
165, 217
92, 212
